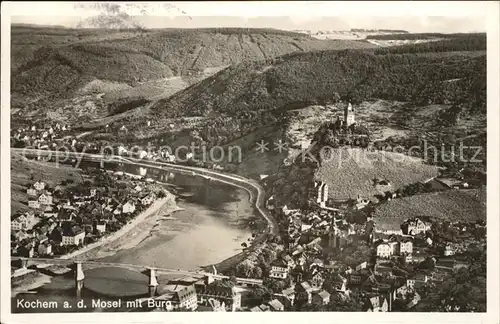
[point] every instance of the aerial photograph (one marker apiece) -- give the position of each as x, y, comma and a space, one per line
232, 164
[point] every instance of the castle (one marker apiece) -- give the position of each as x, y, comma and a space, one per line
349, 115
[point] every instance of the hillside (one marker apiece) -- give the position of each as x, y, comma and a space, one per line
52, 63
451, 205
26, 172
350, 172
297, 80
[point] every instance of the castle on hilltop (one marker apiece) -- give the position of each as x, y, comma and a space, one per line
349, 115
348, 118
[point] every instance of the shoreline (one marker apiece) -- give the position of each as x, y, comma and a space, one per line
166, 204
31, 280
256, 196
122, 231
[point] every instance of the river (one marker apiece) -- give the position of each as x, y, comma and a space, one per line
211, 226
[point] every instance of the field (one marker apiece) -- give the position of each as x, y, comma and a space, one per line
26, 172
350, 172
452, 205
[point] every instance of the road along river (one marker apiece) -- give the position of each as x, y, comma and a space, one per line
216, 210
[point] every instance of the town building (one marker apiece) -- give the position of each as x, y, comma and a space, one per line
35, 204
276, 306
39, 185
100, 227
316, 281
377, 303
416, 226
223, 292
211, 305
405, 247
304, 292
24, 221
321, 298
340, 283
279, 269
128, 207
184, 299
147, 199
44, 249
386, 249
361, 202
45, 199
417, 281
286, 297
72, 235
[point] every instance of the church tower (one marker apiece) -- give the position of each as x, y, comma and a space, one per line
349, 115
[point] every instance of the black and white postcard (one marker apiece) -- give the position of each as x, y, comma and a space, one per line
165, 159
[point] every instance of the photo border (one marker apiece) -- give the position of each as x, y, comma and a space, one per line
488, 10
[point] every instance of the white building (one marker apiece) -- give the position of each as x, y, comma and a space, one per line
385, 250
122, 150
448, 250
73, 236
39, 185
279, 270
33, 204
406, 247
128, 207
101, 227
416, 226
45, 199
23, 222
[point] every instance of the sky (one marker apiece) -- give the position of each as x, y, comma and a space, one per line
445, 17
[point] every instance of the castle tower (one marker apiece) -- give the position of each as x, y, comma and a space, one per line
349, 115
332, 237
322, 193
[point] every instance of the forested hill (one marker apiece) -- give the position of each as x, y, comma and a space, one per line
300, 79
55, 61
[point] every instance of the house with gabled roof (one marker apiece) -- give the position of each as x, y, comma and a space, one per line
417, 281
376, 303
128, 207
316, 280
72, 235
45, 199
276, 306
39, 185
321, 298
32, 192
416, 226
147, 199
33, 204
304, 292
340, 283
45, 249
279, 269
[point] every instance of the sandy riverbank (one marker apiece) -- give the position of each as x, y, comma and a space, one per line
125, 238
132, 233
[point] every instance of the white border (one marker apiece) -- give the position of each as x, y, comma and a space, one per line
488, 10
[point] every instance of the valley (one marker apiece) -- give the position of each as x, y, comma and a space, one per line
350, 140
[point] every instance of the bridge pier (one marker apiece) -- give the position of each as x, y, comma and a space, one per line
79, 278
153, 283
24, 263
